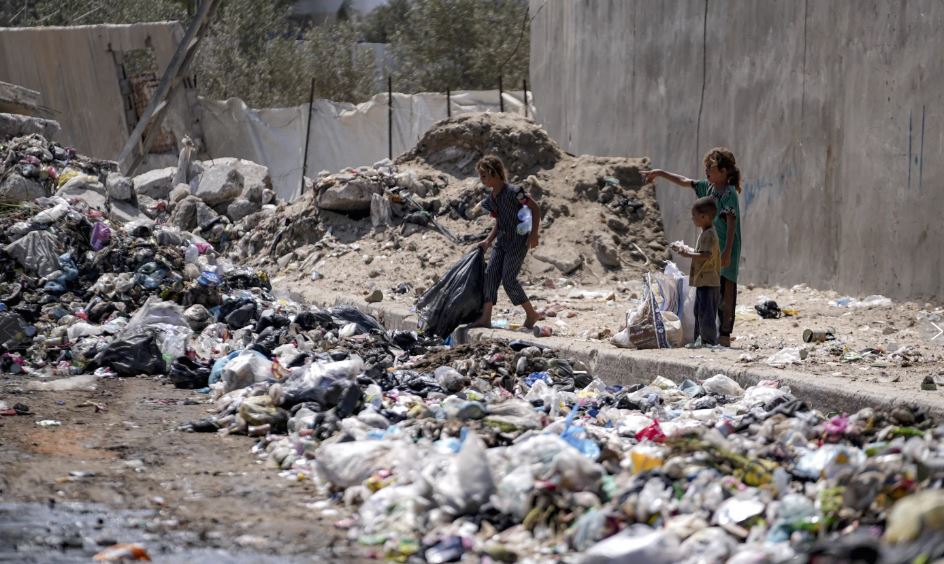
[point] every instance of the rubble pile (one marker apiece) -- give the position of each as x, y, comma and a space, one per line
422, 211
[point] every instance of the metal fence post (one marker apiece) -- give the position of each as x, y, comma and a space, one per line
501, 95
390, 117
311, 102
524, 86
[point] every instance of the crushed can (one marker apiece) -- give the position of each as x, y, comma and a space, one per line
818, 336
545, 331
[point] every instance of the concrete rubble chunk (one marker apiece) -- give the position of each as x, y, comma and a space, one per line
156, 183
119, 187
126, 212
565, 261
180, 192
218, 185
256, 177
192, 212
606, 253
84, 187
15, 125
352, 196
240, 208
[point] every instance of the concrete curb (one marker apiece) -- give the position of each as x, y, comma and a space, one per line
627, 366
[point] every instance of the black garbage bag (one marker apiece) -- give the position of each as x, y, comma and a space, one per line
238, 314
138, 354
345, 395
768, 310
456, 299
274, 320
309, 320
189, 375
344, 314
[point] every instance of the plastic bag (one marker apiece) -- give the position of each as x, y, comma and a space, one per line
37, 252
248, 368
456, 299
138, 354
685, 302
187, 374
348, 464
674, 332
638, 543
646, 325
155, 312
345, 314
465, 483
784, 357
101, 235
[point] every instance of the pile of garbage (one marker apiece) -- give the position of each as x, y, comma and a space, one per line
502, 450
511, 452
101, 275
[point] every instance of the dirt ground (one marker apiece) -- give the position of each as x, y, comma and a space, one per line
892, 346
190, 496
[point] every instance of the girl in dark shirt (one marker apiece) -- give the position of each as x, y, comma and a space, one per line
504, 202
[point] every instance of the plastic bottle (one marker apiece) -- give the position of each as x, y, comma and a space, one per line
524, 221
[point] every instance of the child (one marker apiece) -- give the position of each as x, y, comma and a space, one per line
723, 184
705, 274
504, 202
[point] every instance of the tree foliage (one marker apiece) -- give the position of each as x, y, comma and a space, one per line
255, 51
467, 44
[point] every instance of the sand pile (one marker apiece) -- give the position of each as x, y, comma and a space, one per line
600, 224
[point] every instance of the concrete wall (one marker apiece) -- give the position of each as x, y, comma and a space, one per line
75, 71
834, 109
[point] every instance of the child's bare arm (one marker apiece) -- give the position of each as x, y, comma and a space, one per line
535, 223
653, 174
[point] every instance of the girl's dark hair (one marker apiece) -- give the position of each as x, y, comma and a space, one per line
723, 158
493, 166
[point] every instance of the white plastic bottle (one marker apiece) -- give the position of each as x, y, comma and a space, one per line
524, 221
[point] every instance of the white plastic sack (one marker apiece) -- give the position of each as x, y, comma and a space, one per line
348, 464
621, 339
722, 385
638, 543
465, 483
37, 252
380, 212
785, 357
52, 214
646, 324
685, 301
245, 370
673, 329
156, 311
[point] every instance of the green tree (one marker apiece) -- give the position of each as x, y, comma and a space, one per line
461, 44
380, 25
88, 12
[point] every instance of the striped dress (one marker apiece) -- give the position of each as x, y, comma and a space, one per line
510, 248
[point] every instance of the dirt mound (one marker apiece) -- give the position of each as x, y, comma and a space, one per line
600, 223
455, 145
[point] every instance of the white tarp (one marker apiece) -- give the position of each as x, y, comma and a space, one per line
342, 135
